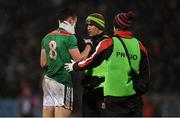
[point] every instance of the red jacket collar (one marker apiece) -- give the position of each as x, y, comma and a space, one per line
124, 34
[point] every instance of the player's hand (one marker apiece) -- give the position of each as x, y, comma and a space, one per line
69, 66
88, 41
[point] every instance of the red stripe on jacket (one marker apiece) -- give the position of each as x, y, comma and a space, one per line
145, 51
104, 44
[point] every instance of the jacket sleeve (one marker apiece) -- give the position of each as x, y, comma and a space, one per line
102, 52
144, 67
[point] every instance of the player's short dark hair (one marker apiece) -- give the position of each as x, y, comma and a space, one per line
65, 13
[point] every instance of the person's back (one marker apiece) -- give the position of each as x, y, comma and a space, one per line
118, 81
127, 64
57, 44
57, 48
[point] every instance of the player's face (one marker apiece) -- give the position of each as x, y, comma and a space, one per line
92, 30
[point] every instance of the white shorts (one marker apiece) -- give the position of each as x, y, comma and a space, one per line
56, 94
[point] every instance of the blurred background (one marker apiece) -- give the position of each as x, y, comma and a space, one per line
23, 24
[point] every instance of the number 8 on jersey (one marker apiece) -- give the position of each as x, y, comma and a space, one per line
52, 52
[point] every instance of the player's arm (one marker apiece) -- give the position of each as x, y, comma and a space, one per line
77, 56
43, 59
103, 51
74, 51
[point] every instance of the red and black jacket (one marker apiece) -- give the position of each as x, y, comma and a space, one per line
103, 52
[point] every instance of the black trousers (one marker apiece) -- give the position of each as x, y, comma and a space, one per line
93, 102
130, 106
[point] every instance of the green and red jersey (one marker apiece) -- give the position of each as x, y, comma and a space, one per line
57, 45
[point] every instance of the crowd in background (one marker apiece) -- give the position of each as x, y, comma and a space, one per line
23, 24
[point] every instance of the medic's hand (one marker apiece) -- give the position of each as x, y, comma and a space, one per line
69, 66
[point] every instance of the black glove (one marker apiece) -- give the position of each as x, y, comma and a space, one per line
88, 41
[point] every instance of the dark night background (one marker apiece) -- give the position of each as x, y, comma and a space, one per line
23, 24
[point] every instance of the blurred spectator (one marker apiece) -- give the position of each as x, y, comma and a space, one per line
148, 108
27, 100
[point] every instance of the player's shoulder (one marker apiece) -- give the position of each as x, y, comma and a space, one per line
60, 32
